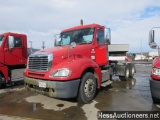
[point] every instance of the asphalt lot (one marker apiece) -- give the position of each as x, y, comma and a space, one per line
16, 103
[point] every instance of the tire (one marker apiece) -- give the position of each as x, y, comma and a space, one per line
111, 77
111, 73
155, 100
131, 70
87, 88
126, 76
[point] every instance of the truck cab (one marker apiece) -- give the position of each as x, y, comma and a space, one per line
155, 72
13, 52
89, 41
76, 66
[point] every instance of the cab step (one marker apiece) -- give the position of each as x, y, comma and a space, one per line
108, 82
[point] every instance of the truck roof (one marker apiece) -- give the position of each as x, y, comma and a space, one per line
8, 33
82, 27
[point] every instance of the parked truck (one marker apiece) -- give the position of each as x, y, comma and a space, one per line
13, 57
76, 66
155, 72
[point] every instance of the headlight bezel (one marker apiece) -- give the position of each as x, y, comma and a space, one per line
63, 72
156, 71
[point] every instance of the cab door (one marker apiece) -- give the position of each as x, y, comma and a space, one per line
101, 48
14, 54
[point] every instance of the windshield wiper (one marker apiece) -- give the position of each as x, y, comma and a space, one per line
84, 43
58, 45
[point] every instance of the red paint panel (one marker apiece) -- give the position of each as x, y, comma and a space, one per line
4, 70
101, 55
156, 64
16, 55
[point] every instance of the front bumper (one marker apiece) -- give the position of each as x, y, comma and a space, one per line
155, 88
56, 89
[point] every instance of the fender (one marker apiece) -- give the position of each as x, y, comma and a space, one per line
156, 62
82, 64
4, 70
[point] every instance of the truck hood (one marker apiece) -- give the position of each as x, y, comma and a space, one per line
60, 53
56, 51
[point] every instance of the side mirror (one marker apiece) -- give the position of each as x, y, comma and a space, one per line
10, 41
151, 43
56, 41
107, 36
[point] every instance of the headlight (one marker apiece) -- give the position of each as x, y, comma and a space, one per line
65, 72
156, 71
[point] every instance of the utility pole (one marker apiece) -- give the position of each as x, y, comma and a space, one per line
31, 47
43, 46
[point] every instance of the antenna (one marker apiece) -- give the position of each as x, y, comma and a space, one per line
81, 22
43, 46
31, 47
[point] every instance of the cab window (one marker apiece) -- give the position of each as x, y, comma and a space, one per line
17, 42
100, 36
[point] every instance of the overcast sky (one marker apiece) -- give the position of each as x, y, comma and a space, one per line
129, 20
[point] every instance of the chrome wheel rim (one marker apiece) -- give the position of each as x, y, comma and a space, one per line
89, 88
127, 73
133, 70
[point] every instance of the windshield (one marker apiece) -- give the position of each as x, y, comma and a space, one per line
82, 36
1, 39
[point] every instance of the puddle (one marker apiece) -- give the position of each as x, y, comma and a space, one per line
90, 110
34, 106
60, 105
10, 90
50, 103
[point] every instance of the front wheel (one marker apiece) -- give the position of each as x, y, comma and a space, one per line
87, 88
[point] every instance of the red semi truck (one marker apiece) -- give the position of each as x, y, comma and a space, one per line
13, 57
76, 66
155, 73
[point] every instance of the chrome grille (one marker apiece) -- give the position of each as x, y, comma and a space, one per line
40, 62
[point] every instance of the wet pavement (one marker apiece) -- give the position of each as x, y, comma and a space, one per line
16, 103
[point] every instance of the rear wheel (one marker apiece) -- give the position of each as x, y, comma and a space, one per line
131, 70
87, 88
126, 76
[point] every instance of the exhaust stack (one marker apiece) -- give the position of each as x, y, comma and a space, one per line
81, 22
